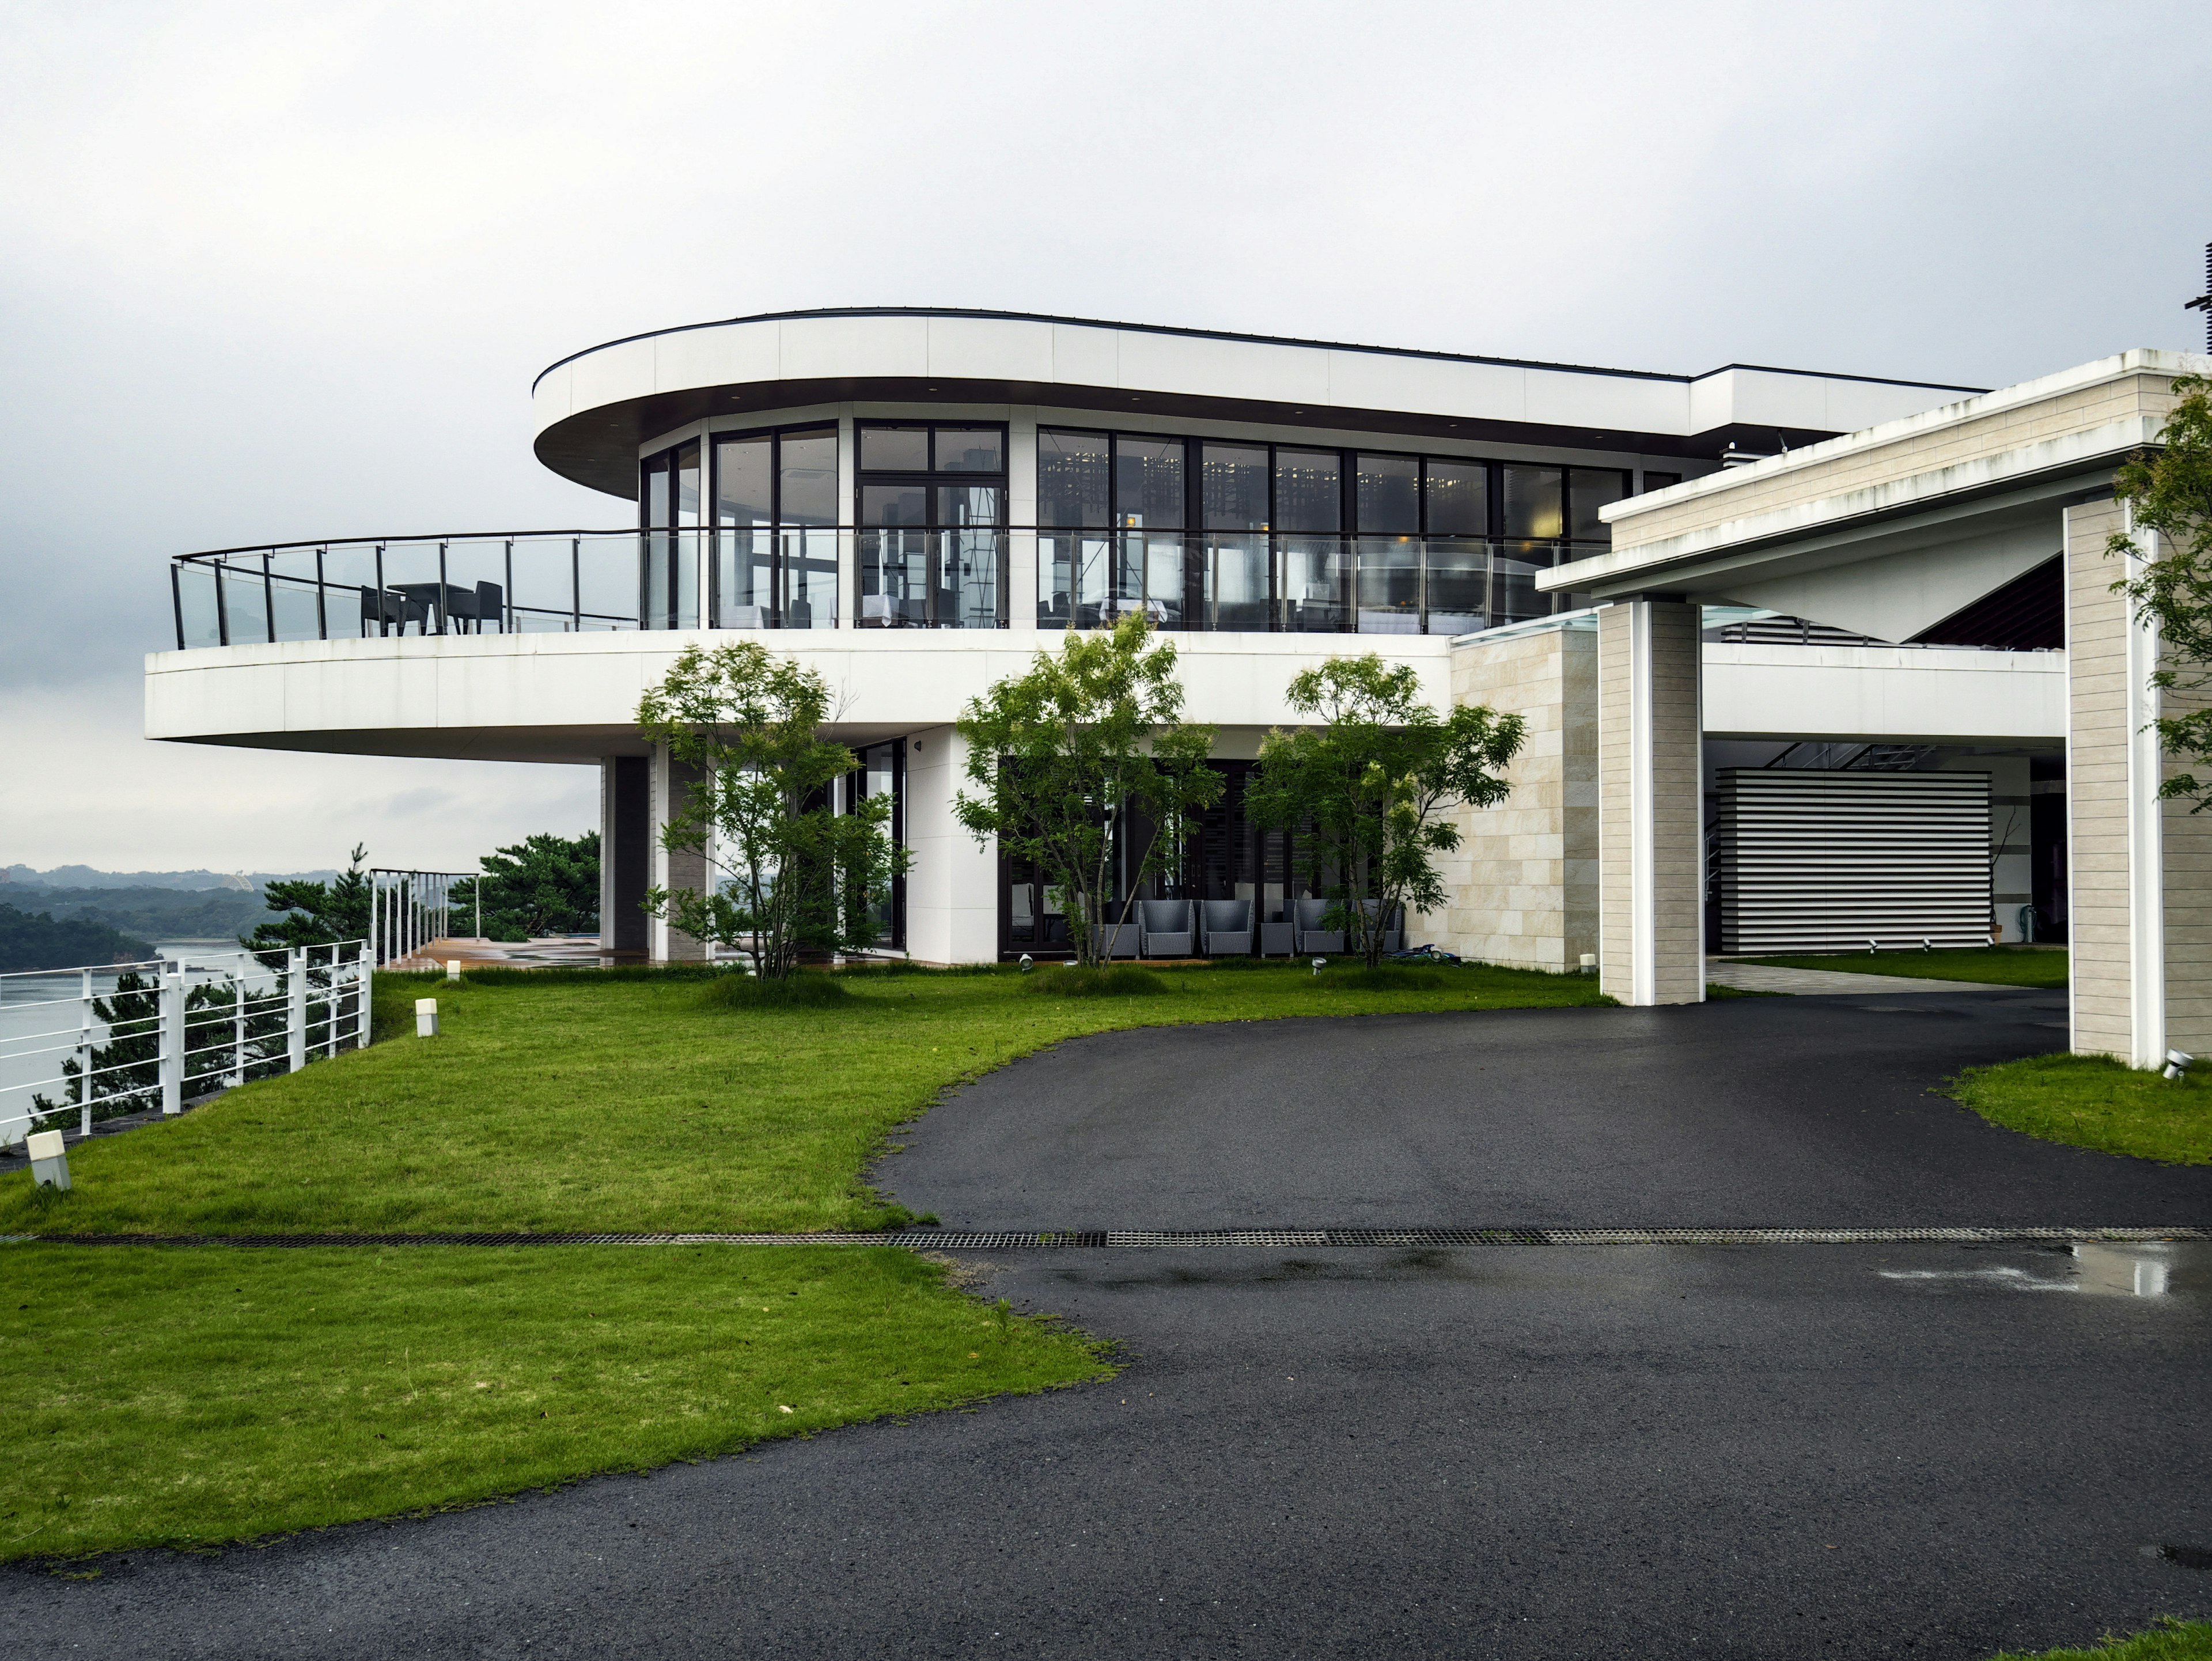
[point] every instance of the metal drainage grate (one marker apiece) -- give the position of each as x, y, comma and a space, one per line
953, 1239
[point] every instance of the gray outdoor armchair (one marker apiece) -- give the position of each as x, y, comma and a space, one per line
1165, 929
1394, 931
1306, 932
1225, 928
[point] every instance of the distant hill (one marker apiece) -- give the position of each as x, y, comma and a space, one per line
155, 914
85, 876
32, 940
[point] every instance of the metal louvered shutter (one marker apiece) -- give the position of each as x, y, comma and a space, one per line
1827, 860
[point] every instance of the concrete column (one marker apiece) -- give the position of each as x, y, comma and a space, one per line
848, 514
1651, 857
625, 837
2140, 871
1021, 511
671, 784
1522, 885
952, 886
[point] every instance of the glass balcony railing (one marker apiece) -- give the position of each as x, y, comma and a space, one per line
833, 576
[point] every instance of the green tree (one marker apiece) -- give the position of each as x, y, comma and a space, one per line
2169, 491
1370, 786
543, 885
1057, 753
789, 875
314, 913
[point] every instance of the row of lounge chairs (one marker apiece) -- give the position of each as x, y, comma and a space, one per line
1225, 929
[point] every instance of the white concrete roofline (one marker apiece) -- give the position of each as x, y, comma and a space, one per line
2136, 361
1196, 367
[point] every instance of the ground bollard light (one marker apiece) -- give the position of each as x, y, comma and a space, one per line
1028, 963
1320, 964
1590, 963
2177, 1063
452, 969
426, 1017
49, 1162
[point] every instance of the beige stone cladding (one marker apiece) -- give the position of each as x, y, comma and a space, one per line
1669, 665
1522, 887
2097, 723
2186, 837
1953, 436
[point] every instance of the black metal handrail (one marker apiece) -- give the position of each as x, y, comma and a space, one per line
857, 576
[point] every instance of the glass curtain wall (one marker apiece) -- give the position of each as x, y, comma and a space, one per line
1110, 516
775, 537
933, 516
668, 560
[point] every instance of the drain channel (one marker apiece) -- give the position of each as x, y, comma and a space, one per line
956, 1239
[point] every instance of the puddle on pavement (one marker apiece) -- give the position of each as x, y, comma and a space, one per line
2131, 1269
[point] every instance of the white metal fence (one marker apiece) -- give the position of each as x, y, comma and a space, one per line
407, 909
94, 1044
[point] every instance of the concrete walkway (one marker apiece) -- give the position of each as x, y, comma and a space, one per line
1759, 977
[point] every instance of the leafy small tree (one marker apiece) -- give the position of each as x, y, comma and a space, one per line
2170, 492
1371, 785
543, 885
790, 876
314, 913
1057, 753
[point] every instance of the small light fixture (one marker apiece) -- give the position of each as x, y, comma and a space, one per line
1320, 964
2177, 1063
49, 1162
1590, 963
1927, 944
426, 1017
1028, 962
452, 969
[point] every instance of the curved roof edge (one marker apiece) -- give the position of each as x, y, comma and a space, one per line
1224, 334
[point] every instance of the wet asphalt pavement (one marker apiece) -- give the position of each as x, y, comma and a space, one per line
1523, 1451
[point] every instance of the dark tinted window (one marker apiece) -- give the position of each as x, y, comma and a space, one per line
1308, 490
744, 481
1071, 478
1589, 488
1390, 496
1458, 498
1659, 481
1233, 487
970, 450
895, 449
810, 478
1532, 504
1148, 487
899, 505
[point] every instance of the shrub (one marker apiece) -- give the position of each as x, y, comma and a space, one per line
734, 989
1120, 980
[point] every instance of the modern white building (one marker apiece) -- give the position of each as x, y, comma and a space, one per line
912, 500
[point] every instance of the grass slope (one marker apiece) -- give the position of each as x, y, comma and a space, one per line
194, 1397
2092, 1101
2001, 965
639, 1104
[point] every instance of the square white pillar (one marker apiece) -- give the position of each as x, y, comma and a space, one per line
1651, 844
951, 886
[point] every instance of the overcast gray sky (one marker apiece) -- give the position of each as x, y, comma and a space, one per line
279, 271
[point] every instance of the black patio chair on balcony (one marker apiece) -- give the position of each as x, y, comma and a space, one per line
1225, 928
384, 612
486, 602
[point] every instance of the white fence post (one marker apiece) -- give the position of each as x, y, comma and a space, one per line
364, 984
296, 1011
84, 1053
171, 1041
237, 1025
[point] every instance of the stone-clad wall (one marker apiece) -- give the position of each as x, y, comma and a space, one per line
1523, 885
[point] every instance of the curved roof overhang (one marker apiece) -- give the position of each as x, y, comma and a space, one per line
594, 409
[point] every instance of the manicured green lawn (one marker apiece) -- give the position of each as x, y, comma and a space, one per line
1999, 965
2170, 1640
639, 1104
2092, 1101
195, 1396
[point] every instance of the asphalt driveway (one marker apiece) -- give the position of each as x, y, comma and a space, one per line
1744, 1112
